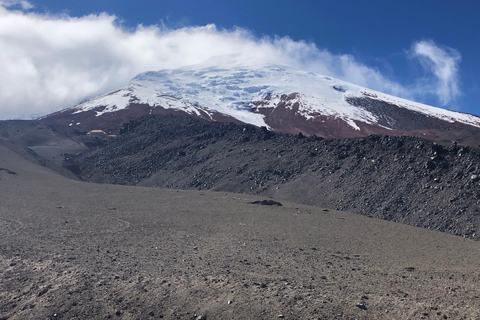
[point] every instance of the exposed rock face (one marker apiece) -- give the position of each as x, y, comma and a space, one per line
110, 122
404, 179
392, 120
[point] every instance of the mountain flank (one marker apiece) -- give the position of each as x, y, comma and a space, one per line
281, 98
403, 179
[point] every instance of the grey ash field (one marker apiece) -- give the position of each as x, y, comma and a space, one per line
77, 250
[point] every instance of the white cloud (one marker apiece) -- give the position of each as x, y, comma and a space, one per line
24, 5
443, 65
51, 62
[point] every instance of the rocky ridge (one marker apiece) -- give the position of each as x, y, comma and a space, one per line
404, 179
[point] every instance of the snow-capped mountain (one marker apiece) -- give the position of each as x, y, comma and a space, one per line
281, 98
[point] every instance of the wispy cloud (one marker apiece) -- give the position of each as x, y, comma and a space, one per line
441, 64
51, 62
24, 5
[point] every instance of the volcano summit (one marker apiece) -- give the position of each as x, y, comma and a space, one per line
281, 98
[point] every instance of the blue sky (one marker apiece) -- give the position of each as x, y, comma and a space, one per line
423, 50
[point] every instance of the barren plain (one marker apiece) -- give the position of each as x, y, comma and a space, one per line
77, 250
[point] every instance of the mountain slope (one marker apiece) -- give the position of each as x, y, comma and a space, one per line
280, 98
404, 179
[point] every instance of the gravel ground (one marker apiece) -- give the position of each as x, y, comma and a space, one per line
76, 250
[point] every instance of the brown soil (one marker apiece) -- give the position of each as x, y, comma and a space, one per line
75, 250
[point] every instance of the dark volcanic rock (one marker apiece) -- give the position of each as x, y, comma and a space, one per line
267, 203
404, 179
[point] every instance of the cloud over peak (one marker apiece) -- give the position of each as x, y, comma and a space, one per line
51, 62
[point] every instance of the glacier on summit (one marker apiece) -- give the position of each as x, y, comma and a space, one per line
234, 90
